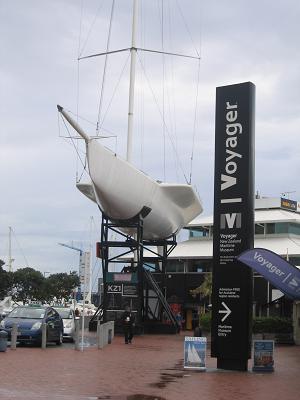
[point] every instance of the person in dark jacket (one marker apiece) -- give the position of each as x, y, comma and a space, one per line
198, 331
128, 323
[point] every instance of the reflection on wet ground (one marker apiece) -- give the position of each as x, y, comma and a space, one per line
131, 397
168, 377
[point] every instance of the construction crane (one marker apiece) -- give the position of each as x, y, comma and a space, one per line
72, 247
85, 279
84, 263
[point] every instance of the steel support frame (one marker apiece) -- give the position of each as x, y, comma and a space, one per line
132, 243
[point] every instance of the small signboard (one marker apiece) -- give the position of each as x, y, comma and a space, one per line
263, 360
130, 290
288, 204
111, 288
195, 352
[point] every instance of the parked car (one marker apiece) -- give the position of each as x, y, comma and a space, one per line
29, 319
68, 317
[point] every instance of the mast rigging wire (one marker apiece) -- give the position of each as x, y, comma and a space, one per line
172, 110
111, 134
20, 248
187, 28
78, 81
195, 123
114, 92
163, 87
161, 114
105, 66
76, 149
90, 29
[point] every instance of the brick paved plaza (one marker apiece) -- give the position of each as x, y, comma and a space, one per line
151, 368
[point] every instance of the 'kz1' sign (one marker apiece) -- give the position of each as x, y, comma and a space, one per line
233, 224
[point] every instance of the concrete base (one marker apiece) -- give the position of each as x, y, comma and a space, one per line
233, 365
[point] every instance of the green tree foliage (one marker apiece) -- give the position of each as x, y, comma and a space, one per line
205, 289
27, 284
61, 286
5, 282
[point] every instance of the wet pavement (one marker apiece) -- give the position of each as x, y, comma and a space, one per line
149, 369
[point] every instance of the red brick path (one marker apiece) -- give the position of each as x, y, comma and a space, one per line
151, 366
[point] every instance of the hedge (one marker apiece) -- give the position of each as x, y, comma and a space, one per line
259, 325
205, 322
272, 325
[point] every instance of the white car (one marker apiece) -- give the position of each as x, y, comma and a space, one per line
68, 317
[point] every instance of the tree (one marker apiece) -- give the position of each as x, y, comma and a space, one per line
205, 289
5, 282
61, 285
27, 285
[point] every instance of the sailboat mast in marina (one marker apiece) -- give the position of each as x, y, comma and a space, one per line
122, 191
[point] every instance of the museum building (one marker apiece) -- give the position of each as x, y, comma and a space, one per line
277, 228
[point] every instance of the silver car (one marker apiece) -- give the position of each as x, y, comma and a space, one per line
68, 317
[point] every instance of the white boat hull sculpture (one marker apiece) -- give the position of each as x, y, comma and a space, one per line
122, 192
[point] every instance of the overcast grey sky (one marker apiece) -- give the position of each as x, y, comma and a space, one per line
238, 41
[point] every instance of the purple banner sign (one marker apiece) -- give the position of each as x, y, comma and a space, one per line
275, 269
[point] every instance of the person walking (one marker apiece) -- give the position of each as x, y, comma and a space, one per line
128, 324
77, 312
179, 320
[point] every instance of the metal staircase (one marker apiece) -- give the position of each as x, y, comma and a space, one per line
97, 316
165, 307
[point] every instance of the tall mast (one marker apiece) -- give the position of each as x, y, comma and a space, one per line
10, 260
133, 51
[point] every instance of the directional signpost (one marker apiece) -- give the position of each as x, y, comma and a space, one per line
233, 225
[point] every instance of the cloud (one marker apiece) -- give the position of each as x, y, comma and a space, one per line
240, 41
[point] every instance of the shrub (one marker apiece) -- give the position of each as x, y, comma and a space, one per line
259, 325
272, 325
205, 322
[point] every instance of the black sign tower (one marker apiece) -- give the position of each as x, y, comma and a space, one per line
233, 225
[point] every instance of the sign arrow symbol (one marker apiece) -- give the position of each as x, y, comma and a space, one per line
227, 311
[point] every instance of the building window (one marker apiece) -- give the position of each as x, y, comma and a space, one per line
294, 228
270, 228
283, 227
259, 229
175, 266
198, 266
202, 231
295, 261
